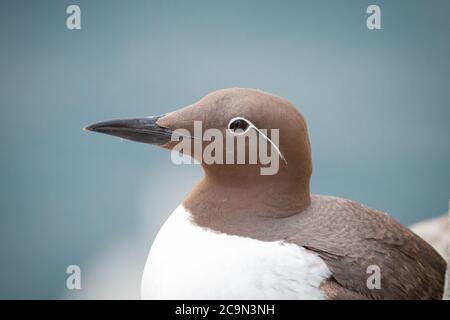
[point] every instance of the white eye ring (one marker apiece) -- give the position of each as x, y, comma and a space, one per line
240, 132
251, 125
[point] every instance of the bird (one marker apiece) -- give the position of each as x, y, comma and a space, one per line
241, 234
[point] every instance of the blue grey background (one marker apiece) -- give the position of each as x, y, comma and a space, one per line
377, 104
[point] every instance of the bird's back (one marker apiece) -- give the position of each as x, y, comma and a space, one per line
353, 240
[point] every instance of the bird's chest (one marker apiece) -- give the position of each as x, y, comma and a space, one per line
190, 262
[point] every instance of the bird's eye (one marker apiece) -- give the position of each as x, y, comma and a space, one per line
238, 125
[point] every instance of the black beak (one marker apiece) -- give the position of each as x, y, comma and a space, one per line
143, 130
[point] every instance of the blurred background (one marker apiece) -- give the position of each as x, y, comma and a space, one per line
377, 104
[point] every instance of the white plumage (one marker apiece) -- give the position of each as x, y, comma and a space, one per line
190, 262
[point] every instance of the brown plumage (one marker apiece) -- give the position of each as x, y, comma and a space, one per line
348, 236
238, 200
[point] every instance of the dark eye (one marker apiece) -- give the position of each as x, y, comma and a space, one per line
238, 126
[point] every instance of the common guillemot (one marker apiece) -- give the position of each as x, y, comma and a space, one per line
244, 235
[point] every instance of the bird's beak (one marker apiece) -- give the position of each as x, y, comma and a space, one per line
144, 130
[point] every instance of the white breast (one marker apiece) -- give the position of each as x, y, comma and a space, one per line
190, 262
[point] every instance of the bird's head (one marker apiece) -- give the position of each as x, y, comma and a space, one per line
213, 127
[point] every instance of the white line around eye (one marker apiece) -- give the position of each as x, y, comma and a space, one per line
251, 125
240, 133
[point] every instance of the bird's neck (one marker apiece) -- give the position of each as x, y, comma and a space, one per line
228, 202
